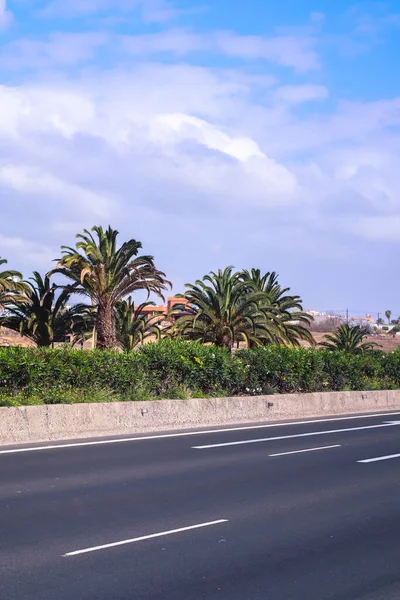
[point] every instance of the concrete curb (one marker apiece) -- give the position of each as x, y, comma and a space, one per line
61, 422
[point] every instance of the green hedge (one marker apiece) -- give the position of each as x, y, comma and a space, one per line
287, 370
178, 369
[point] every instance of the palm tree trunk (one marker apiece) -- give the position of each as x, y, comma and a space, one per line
105, 327
227, 342
94, 334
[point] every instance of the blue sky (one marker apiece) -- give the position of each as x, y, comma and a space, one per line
257, 134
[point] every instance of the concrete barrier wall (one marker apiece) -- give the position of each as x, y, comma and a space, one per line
62, 422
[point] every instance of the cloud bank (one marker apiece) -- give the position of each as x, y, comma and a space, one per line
250, 159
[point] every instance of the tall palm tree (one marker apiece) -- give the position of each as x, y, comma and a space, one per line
388, 314
12, 287
348, 338
295, 323
107, 274
132, 326
220, 309
45, 318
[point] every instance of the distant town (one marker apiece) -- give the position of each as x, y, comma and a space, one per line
329, 320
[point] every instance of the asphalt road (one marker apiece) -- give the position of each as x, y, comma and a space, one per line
245, 514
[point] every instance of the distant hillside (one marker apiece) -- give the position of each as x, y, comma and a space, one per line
10, 338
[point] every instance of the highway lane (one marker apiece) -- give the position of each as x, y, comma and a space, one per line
309, 525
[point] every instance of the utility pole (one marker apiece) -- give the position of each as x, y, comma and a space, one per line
347, 316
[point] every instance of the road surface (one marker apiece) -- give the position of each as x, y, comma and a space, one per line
301, 511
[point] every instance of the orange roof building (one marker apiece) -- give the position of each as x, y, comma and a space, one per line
163, 310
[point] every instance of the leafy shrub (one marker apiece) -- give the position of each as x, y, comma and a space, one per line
285, 370
172, 363
166, 369
180, 369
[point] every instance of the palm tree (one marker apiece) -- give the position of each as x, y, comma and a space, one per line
45, 318
220, 309
132, 326
295, 323
12, 287
348, 338
388, 314
107, 274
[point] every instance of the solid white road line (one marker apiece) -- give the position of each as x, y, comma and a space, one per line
297, 435
190, 433
379, 458
145, 537
306, 450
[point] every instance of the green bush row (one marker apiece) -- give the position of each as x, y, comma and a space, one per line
178, 369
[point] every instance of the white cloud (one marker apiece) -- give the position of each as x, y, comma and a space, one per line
152, 10
35, 182
296, 94
41, 109
207, 164
180, 131
58, 49
297, 52
307, 244
291, 51
176, 41
26, 252
160, 11
66, 49
190, 156
111, 148
279, 182
348, 123
5, 15
376, 228
175, 127
76, 8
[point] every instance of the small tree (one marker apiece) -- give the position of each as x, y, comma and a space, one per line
132, 326
348, 338
44, 317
